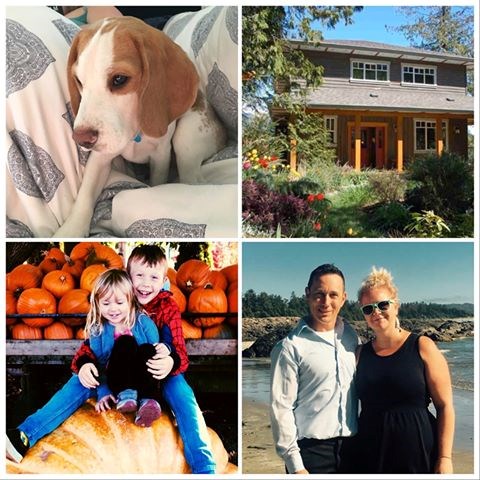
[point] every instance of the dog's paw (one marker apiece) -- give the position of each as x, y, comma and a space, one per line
71, 229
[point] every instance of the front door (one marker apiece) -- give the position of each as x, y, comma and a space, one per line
372, 145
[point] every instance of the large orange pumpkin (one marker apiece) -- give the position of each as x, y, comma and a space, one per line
53, 260
81, 251
90, 275
80, 333
57, 331
104, 255
232, 298
20, 331
179, 298
207, 300
23, 277
218, 279
74, 267
190, 330
58, 282
10, 307
172, 276
192, 274
37, 300
223, 331
231, 272
74, 301
110, 443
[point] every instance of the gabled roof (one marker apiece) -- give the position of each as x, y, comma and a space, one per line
385, 99
384, 50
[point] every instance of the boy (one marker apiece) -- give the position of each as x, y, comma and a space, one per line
147, 267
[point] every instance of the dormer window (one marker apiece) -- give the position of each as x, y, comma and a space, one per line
419, 74
369, 71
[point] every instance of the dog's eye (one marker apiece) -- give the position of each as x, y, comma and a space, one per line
119, 81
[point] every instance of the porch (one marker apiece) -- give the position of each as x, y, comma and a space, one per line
387, 140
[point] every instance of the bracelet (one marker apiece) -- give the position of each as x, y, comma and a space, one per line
444, 456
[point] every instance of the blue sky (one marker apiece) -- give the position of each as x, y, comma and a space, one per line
440, 272
370, 24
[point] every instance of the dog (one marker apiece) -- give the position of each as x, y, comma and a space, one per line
135, 94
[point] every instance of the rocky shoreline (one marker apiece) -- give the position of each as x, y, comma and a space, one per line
266, 332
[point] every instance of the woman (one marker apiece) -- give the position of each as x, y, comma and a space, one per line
398, 374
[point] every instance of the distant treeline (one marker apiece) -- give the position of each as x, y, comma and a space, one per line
266, 305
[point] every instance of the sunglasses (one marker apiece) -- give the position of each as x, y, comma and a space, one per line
383, 306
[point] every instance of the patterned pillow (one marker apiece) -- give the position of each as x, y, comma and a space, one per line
209, 36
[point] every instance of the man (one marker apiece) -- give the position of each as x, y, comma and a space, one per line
313, 400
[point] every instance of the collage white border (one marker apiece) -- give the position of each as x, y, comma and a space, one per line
240, 240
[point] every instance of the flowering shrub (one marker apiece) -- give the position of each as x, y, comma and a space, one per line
288, 214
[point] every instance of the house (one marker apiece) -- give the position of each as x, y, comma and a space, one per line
385, 104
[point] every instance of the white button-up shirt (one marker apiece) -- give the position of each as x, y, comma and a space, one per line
312, 389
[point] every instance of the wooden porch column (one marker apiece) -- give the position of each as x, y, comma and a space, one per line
358, 144
439, 135
400, 143
293, 155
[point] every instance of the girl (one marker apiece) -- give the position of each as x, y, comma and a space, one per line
122, 339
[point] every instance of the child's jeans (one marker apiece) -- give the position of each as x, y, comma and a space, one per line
60, 407
191, 424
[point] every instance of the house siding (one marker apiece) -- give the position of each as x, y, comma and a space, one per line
336, 70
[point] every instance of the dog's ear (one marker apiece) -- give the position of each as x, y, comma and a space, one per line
169, 83
72, 84
78, 45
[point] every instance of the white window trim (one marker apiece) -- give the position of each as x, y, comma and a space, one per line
335, 126
364, 80
420, 85
415, 120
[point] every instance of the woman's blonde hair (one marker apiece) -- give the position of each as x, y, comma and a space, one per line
378, 277
109, 282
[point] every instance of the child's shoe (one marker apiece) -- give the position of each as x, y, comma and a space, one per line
16, 445
127, 401
149, 411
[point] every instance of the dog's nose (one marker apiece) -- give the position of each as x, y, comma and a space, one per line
85, 137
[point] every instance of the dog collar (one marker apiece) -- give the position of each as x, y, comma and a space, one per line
137, 138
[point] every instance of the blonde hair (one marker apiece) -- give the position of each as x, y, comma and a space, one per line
380, 277
109, 282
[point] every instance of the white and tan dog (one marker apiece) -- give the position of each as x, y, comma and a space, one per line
135, 93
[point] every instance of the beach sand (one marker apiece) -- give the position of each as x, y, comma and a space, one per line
259, 454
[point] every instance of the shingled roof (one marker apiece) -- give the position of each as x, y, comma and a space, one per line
395, 99
376, 49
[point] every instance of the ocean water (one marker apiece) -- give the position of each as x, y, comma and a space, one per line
459, 355
460, 358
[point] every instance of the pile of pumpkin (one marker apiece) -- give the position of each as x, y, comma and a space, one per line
61, 284
199, 290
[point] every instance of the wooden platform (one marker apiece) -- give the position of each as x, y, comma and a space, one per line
35, 351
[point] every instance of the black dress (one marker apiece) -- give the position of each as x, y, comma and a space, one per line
396, 431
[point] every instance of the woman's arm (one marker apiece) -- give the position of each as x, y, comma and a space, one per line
440, 388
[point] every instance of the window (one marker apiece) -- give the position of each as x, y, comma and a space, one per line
370, 71
426, 135
331, 128
418, 75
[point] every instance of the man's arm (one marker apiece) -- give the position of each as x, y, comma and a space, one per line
284, 389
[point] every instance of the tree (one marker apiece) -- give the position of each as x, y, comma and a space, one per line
440, 29
267, 54
269, 58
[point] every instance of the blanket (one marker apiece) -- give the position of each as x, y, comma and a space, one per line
44, 167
